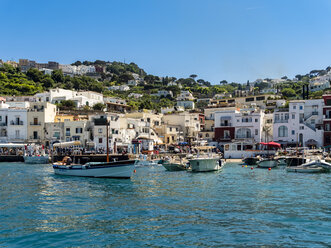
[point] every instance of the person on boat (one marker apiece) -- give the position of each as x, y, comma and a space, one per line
69, 161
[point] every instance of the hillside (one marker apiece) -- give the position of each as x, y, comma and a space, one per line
15, 82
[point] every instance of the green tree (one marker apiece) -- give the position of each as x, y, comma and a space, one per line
288, 92
57, 76
98, 106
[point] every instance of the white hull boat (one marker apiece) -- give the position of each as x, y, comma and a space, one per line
267, 163
36, 159
142, 163
119, 169
206, 164
315, 166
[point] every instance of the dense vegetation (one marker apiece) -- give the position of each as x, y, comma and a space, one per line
15, 82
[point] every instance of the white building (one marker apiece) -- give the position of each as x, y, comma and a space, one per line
300, 124
81, 98
163, 93
135, 95
119, 87
13, 124
242, 125
185, 95
79, 70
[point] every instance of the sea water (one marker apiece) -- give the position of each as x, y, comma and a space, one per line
236, 207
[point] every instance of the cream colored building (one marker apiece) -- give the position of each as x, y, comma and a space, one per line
170, 134
38, 114
188, 122
208, 132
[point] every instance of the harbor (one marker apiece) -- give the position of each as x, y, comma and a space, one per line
236, 206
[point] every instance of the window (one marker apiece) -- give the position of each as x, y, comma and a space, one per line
68, 131
226, 134
207, 135
17, 134
293, 132
256, 120
56, 135
170, 128
301, 107
100, 140
282, 131
79, 130
294, 107
256, 131
100, 130
0, 118
176, 129
312, 121
302, 127
293, 116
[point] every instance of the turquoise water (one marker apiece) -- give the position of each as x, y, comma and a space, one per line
237, 207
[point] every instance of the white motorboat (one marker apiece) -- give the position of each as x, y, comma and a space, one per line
35, 159
204, 164
119, 169
267, 163
175, 164
314, 166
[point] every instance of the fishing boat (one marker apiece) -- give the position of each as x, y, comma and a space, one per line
314, 166
114, 169
205, 162
175, 164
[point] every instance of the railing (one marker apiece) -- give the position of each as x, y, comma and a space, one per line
310, 126
314, 113
16, 123
35, 123
3, 124
226, 125
281, 121
244, 136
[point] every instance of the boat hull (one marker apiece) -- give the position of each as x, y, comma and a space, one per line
251, 161
121, 169
205, 164
36, 159
306, 170
173, 166
267, 163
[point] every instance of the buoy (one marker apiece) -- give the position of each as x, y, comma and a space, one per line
269, 168
134, 171
252, 168
242, 165
245, 166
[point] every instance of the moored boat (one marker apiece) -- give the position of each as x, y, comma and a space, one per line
118, 169
267, 163
314, 166
175, 164
251, 160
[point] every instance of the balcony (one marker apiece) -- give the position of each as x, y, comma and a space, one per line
314, 113
16, 123
35, 123
281, 121
244, 136
226, 124
3, 124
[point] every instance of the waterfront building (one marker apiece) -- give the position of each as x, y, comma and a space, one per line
189, 124
239, 124
38, 114
300, 124
327, 121
54, 132
13, 123
170, 134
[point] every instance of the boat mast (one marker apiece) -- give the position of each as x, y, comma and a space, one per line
107, 139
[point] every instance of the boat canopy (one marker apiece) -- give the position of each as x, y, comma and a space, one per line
67, 144
271, 144
12, 145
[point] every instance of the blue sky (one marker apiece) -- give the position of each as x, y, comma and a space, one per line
236, 40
